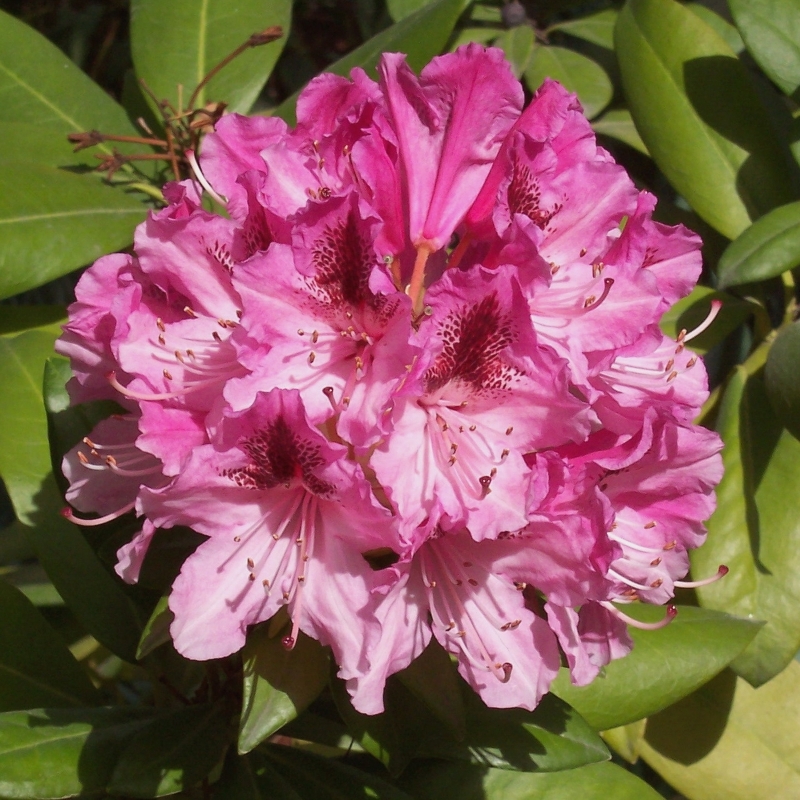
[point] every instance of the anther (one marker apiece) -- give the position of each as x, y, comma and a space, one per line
167, 375
311, 357
250, 563
509, 430
650, 525
160, 325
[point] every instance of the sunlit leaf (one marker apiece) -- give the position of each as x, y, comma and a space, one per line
36, 669
618, 124
699, 115
596, 28
729, 740
755, 530
771, 31
517, 43
770, 246
727, 31
278, 683
176, 44
664, 666
576, 72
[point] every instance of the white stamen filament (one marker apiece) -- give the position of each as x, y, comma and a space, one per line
202, 180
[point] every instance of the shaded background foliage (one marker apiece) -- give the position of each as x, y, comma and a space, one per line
700, 103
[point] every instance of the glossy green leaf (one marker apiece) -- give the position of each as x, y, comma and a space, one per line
421, 36
53, 216
729, 740
699, 115
177, 43
467, 35
517, 43
313, 777
239, 780
724, 28
400, 9
689, 312
576, 72
36, 669
770, 246
172, 752
93, 595
596, 28
771, 31
551, 738
782, 377
663, 667
618, 124
756, 528
40, 85
278, 683
593, 782
56, 753
156, 629
18, 319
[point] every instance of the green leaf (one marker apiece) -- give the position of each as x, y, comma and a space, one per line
771, 31
618, 124
56, 753
729, 740
663, 667
94, 596
421, 36
400, 9
156, 629
770, 246
313, 777
551, 738
691, 311
782, 377
278, 683
177, 43
699, 115
239, 781
727, 31
593, 782
517, 43
173, 752
596, 28
54, 217
576, 72
17, 319
756, 528
36, 668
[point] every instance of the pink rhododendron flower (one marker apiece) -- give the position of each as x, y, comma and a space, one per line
412, 385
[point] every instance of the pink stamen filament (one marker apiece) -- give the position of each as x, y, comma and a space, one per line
202, 180
720, 573
716, 305
672, 612
111, 377
633, 545
69, 514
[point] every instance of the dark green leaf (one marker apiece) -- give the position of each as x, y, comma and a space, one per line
177, 43
56, 753
517, 43
729, 740
664, 665
782, 376
771, 31
278, 683
690, 311
313, 777
551, 738
172, 752
36, 669
756, 528
699, 115
156, 629
53, 216
595, 28
421, 36
576, 72
17, 319
770, 246
618, 124
593, 782
239, 781
93, 595
400, 9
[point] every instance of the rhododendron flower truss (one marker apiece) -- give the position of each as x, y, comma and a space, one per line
412, 385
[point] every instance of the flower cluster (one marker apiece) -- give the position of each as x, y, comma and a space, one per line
412, 385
